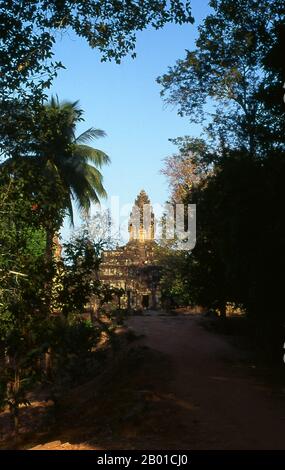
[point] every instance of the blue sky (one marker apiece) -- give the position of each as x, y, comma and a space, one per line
124, 100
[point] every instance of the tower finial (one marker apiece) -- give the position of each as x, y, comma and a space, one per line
141, 224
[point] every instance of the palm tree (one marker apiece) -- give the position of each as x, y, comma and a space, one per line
60, 156
75, 163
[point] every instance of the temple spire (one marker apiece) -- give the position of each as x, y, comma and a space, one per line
141, 223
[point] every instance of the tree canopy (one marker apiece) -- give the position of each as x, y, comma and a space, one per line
30, 29
233, 82
224, 82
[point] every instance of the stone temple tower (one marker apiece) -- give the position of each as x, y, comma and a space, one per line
133, 267
142, 222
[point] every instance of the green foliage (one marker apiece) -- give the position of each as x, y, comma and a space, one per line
30, 30
240, 246
236, 72
36, 241
51, 150
28, 35
72, 340
36, 346
174, 280
225, 81
23, 301
78, 275
36, 191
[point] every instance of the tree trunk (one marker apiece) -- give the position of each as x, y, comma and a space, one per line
14, 409
49, 245
49, 259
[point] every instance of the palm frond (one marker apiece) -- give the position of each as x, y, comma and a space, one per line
84, 182
89, 135
54, 102
95, 179
70, 209
70, 160
95, 156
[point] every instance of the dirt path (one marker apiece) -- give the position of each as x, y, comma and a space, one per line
178, 387
222, 406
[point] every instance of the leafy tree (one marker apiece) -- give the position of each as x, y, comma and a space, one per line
233, 81
23, 297
72, 335
99, 228
220, 82
174, 279
55, 152
36, 346
187, 167
240, 242
78, 280
29, 32
271, 93
34, 201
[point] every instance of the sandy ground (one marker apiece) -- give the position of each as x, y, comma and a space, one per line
178, 387
223, 406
